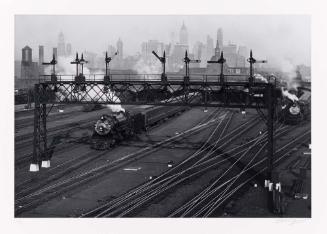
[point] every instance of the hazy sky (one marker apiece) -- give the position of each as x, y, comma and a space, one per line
272, 37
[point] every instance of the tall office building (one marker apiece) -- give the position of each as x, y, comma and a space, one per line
209, 47
41, 59
120, 49
243, 50
68, 49
230, 48
61, 45
27, 55
55, 52
183, 35
217, 49
29, 70
41, 54
220, 38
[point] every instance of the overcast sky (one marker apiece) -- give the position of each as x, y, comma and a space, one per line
270, 37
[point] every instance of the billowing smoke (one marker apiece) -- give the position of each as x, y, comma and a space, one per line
148, 67
115, 108
289, 73
260, 78
290, 96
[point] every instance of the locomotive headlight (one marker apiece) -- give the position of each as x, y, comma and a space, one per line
102, 128
294, 110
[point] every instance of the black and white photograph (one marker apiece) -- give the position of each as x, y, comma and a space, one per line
200, 117
163, 116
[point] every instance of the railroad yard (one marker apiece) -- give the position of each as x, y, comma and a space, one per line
195, 163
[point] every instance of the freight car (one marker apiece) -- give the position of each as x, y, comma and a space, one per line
113, 128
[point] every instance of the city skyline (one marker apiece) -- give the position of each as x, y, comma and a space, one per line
282, 40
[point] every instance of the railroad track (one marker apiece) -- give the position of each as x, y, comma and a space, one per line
70, 165
142, 194
201, 205
28, 199
58, 132
217, 196
22, 122
71, 144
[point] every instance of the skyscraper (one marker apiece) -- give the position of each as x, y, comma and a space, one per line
220, 38
26, 55
230, 54
217, 48
41, 58
230, 48
61, 45
198, 49
41, 54
55, 52
210, 49
29, 70
68, 49
183, 35
242, 50
120, 49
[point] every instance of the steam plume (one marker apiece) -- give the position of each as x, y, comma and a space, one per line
290, 96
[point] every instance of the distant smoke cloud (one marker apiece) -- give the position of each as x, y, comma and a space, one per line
288, 69
147, 67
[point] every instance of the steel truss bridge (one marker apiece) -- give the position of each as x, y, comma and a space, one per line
186, 91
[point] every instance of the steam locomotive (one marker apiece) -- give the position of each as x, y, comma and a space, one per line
294, 111
113, 128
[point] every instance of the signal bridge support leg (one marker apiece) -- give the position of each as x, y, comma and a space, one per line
40, 155
273, 185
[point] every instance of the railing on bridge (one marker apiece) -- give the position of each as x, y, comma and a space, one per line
145, 77
149, 89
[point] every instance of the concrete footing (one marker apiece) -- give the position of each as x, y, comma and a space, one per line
45, 164
34, 167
